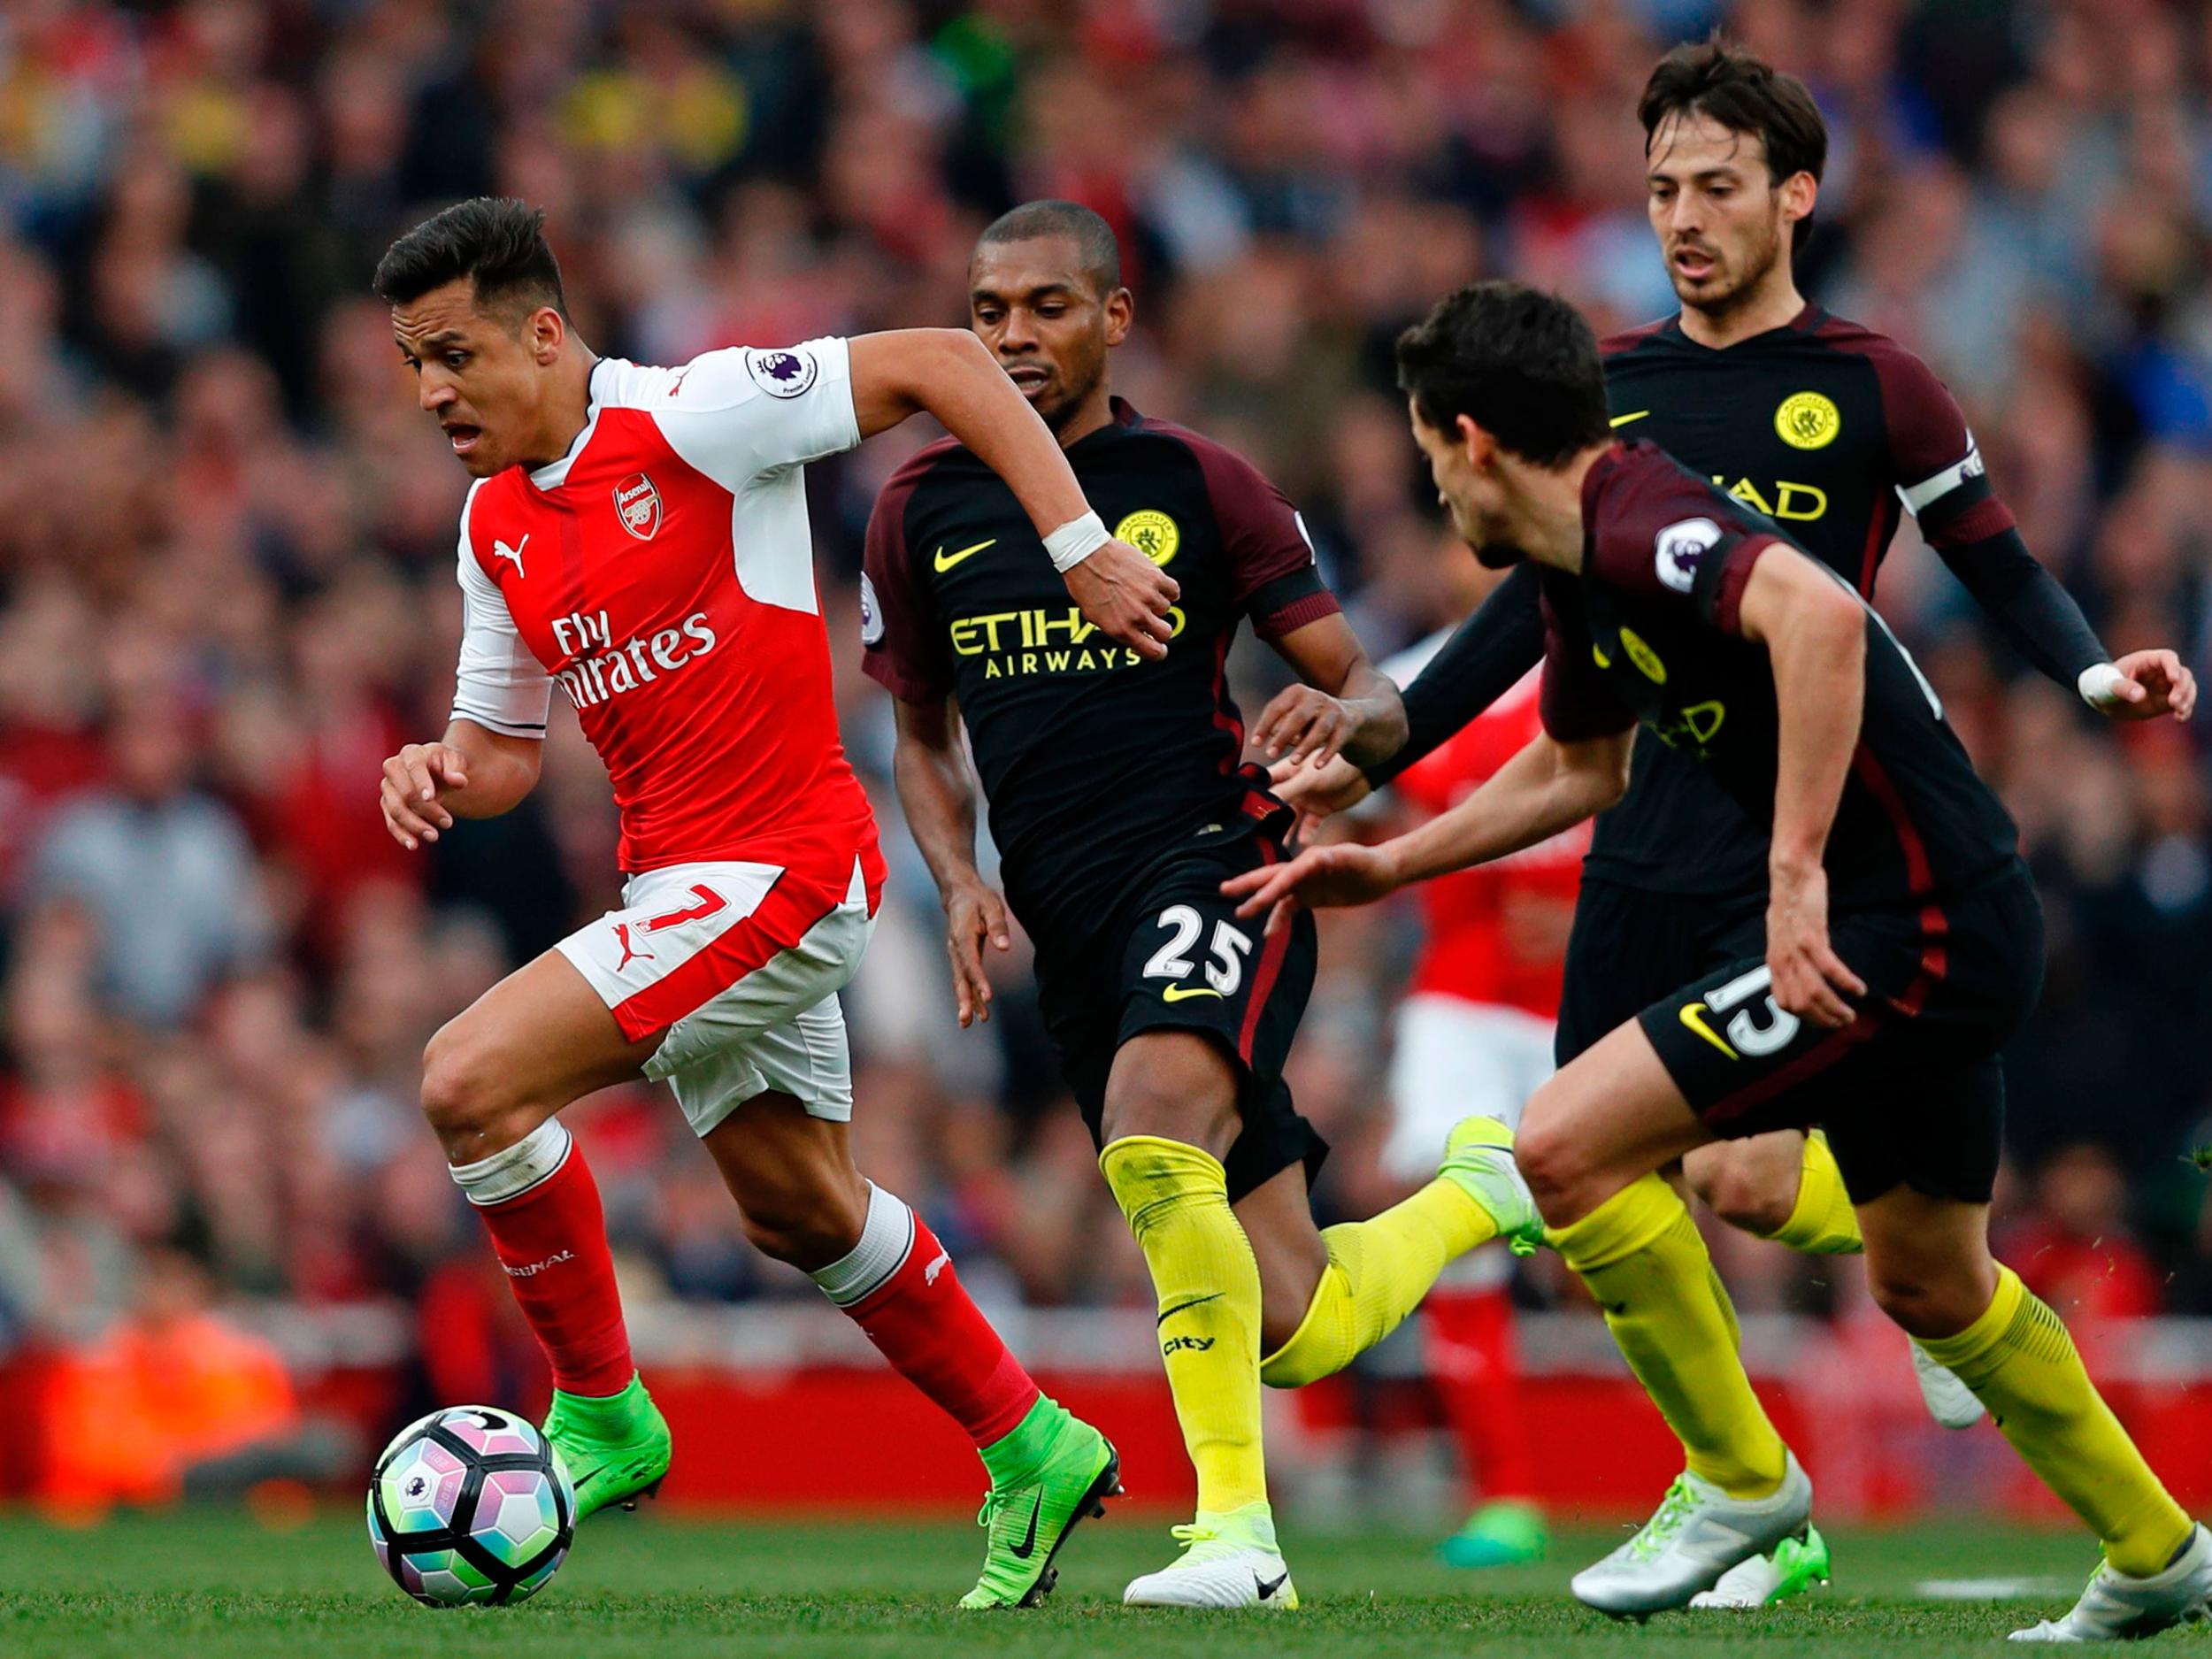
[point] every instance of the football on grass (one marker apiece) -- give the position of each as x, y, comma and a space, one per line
470, 1506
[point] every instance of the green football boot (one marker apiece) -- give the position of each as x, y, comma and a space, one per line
1797, 1565
1506, 1533
1479, 1160
617, 1449
1052, 1472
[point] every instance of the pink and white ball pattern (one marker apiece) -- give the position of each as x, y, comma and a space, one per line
470, 1505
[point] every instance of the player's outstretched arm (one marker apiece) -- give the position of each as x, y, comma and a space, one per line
1815, 632
1345, 705
471, 773
1485, 658
1550, 785
938, 798
951, 374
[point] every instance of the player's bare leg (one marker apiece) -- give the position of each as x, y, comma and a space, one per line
803, 1201
1591, 1143
492, 1079
1929, 1266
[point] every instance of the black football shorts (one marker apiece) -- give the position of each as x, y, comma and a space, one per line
1631, 946
1912, 1090
1174, 956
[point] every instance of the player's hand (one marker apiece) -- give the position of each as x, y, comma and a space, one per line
1308, 723
413, 781
1810, 980
1127, 596
1320, 877
973, 913
2152, 683
1317, 790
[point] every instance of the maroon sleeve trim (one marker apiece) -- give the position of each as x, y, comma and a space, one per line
1295, 615
1735, 577
1260, 531
894, 678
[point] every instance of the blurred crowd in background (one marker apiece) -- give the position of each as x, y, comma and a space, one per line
227, 558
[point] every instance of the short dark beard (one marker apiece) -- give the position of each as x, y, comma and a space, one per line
1746, 290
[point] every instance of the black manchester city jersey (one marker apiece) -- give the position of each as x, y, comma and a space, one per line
1830, 431
1649, 632
1096, 762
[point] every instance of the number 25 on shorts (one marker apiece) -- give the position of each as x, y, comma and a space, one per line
1223, 973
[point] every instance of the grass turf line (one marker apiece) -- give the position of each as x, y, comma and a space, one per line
215, 1585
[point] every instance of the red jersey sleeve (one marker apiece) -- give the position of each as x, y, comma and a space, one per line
1936, 467
902, 652
1660, 530
1273, 575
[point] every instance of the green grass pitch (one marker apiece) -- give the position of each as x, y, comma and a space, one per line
215, 1585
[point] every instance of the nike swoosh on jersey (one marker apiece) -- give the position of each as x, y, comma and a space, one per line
945, 561
1693, 1017
1184, 993
1622, 420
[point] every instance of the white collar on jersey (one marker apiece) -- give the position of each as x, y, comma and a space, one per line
554, 473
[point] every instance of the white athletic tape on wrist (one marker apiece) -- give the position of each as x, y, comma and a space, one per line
537, 1157
1076, 541
2099, 687
885, 1238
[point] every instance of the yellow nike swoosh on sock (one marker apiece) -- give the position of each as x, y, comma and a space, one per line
1693, 1017
945, 561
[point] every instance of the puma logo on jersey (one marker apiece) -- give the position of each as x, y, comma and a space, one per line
512, 555
943, 1261
945, 561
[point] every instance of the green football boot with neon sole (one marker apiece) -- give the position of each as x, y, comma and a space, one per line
1797, 1565
1479, 1160
1050, 1474
617, 1449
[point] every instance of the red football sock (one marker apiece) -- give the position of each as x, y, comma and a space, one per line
910, 1303
1472, 1362
551, 1237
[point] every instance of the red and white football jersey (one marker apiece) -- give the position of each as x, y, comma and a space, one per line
1480, 945
662, 572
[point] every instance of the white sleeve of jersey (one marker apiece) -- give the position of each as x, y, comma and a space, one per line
498, 684
739, 413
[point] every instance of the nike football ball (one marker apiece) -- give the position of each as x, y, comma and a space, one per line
470, 1506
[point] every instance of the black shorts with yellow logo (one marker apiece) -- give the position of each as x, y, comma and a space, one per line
1174, 955
1912, 1090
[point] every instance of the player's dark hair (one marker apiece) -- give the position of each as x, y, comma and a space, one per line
1093, 236
1520, 364
497, 243
1720, 81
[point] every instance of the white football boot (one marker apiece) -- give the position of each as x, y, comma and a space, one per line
2116, 1608
1697, 1534
1949, 1402
1228, 1560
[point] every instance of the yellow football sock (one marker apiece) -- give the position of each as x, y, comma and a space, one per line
2021, 1363
1177, 1201
1823, 1223
1640, 1255
1379, 1270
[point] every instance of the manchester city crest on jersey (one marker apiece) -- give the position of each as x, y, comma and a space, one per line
1807, 420
783, 373
1152, 532
638, 505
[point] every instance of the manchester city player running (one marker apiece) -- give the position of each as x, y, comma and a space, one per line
1901, 946
1833, 430
1119, 805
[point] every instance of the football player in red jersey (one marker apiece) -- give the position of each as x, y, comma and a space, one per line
640, 536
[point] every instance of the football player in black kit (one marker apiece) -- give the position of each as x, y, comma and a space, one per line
1830, 430
1120, 801
1901, 946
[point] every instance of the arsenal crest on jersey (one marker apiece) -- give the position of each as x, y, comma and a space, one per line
638, 504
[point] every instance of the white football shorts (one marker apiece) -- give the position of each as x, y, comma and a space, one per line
739, 966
